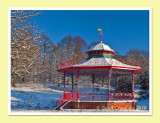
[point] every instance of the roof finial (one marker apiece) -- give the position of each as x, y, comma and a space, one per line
100, 35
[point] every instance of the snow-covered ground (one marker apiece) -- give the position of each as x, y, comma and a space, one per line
42, 96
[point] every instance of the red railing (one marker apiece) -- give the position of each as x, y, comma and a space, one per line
67, 97
90, 96
96, 96
121, 96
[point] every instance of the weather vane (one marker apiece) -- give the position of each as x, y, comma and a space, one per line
100, 34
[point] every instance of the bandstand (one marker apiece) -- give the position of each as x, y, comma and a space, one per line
100, 61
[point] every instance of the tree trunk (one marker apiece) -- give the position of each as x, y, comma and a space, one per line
13, 83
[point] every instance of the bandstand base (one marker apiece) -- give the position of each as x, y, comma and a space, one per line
96, 104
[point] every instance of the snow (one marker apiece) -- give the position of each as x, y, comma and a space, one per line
100, 46
42, 96
34, 96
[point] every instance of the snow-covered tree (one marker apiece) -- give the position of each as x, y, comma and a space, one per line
25, 53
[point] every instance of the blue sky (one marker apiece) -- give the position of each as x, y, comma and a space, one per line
124, 29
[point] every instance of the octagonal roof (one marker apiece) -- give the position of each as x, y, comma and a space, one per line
100, 46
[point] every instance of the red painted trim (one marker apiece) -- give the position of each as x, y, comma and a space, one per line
132, 95
109, 94
72, 94
100, 52
87, 96
140, 71
72, 82
89, 67
132, 85
78, 95
64, 84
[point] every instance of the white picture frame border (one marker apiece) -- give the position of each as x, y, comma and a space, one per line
37, 112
